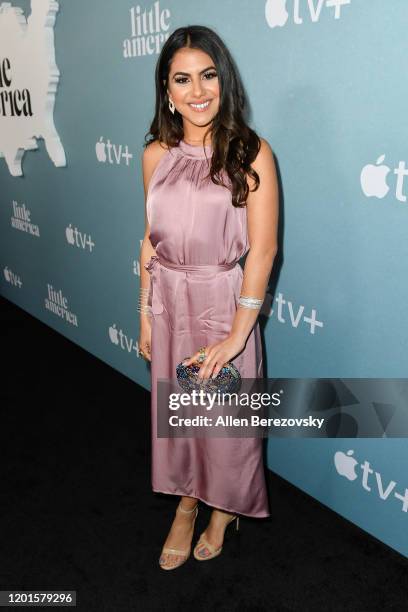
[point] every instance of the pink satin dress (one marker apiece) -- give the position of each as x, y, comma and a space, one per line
199, 237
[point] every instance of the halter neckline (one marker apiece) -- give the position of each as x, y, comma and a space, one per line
198, 151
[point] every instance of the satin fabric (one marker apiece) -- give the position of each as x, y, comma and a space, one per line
195, 229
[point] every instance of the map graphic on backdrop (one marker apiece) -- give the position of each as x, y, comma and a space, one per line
29, 79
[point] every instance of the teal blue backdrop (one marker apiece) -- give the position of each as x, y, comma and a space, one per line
327, 88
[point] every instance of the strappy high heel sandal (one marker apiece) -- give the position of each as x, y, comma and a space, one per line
204, 543
174, 551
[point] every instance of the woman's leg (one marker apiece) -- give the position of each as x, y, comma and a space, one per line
181, 531
214, 533
188, 503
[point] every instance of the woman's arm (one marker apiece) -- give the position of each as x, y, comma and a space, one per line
262, 217
150, 158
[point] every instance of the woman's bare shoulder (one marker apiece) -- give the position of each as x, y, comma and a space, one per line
151, 156
264, 162
265, 150
264, 156
153, 152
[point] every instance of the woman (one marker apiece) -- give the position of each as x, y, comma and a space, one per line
211, 193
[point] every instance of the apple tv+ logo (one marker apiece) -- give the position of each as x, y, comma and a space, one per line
276, 13
12, 278
111, 153
124, 342
373, 179
346, 466
79, 239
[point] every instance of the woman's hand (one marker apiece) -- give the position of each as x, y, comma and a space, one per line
216, 356
145, 337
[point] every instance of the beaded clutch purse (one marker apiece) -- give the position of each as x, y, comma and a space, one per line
227, 380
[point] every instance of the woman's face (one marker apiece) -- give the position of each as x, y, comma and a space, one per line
193, 80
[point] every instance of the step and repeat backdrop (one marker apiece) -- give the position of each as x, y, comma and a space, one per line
327, 88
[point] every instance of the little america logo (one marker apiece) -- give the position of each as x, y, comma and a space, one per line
373, 179
149, 30
78, 239
346, 466
276, 13
21, 220
104, 152
57, 303
28, 83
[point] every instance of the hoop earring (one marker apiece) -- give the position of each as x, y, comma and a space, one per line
171, 106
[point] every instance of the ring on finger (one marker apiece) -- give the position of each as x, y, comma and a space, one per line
202, 355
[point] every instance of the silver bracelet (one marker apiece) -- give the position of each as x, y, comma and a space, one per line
142, 302
250, 302
145, 310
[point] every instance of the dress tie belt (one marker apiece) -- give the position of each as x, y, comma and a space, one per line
153, 266
203, 268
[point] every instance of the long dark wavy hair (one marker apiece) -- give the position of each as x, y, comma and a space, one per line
234, 144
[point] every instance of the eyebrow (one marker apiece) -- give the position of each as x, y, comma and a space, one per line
188, 74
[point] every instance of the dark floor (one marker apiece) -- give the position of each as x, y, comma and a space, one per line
77, 511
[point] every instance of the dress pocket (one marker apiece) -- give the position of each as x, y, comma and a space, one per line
188, 301
154, 300
221, 305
